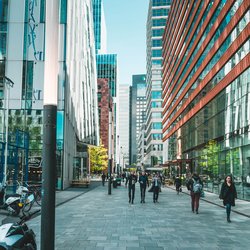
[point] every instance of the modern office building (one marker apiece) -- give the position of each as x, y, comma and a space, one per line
99, 26
124, 124
137, 113
141, 148
157, 15
22, 60
206, 76
105, 107
106, 67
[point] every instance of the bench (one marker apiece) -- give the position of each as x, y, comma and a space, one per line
80, 183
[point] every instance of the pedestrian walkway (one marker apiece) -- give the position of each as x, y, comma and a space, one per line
96, 220
242, 207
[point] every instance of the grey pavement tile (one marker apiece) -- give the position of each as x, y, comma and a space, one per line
97, 221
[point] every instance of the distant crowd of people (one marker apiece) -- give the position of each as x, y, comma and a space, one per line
194, 184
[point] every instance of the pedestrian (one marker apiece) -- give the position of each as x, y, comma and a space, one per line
177, 183
195, 186
228, 194
156, 183
103, 178
248, 180
143, 180
131, 180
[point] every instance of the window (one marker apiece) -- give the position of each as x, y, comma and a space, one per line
156, 94
159, 22
157, 43
160, 12
157, 32
156, 62
156, 125
156, 104
156, 53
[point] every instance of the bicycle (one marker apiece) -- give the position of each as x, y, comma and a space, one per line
29, 195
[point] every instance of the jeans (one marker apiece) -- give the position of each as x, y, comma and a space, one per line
228, 209
143, 190
131, 191
156, 193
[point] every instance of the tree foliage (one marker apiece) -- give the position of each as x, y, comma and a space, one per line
98, 159
210, 157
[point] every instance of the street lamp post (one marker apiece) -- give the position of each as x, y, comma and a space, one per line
8, 83
49, 126
110, 151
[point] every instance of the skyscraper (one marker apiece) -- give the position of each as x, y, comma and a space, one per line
157, 15
106, 64
124, 123
206, 92
99, 26
137, 113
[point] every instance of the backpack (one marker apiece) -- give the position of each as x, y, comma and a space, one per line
197, 187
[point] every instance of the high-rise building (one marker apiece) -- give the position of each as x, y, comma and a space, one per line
206, 75
22, 60
99, 26
124, 124
157, 16
137, 113
106, 67
105, 106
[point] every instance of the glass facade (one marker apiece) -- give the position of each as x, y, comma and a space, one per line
157, 17
137, 114
206, 115
25, 66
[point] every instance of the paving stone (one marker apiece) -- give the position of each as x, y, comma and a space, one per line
96, 220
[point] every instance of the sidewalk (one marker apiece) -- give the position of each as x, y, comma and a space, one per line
241, 207
98, 221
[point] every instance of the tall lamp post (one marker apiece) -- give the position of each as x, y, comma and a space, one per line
110, 151
8, 84
49, 126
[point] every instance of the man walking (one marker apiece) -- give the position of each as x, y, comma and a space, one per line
103, 178
143, 180
131, 180
156, 181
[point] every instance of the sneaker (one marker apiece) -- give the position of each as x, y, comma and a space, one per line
197, 212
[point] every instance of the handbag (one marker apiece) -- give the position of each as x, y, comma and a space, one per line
202, 194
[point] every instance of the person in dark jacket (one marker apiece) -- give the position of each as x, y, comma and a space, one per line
156, 183
177, 183
103, 178
228, 194
195, 192
143, 180
131, 180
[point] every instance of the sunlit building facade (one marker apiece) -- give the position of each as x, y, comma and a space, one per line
137, 114
157, 15
206, 94
22, 60
124, 124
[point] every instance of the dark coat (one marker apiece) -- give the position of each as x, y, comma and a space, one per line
143, 180
228, 194
131, 180
190, 183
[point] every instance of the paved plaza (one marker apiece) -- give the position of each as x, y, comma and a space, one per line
96, 220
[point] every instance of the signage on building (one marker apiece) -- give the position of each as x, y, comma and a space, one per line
35, 162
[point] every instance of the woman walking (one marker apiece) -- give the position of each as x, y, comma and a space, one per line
228, 194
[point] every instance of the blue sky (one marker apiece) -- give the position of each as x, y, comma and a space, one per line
126, 35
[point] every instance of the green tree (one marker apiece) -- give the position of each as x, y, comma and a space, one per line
210, 158
98, 159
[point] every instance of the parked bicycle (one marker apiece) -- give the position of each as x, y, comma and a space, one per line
30, 194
